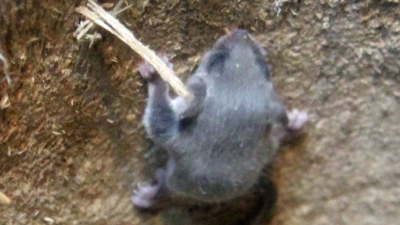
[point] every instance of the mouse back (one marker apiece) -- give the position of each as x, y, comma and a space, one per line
220, 153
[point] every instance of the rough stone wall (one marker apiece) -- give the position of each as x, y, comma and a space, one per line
71, 143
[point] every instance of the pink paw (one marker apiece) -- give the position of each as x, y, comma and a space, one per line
144, 195
148, 72
296, 119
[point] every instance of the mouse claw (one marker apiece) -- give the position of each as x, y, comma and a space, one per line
296, 119
140, 202
148, 72
139, 185
143, 195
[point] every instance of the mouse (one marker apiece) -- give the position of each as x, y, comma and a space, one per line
219, 142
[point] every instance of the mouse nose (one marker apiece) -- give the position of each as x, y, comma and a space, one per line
239, 34
235, 37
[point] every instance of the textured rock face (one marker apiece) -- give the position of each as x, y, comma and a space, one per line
71, 143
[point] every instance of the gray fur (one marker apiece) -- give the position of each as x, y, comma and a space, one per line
219, 143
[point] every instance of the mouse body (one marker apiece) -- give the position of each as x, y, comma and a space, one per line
218, 143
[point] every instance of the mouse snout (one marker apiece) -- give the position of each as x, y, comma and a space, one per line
235, 37
238, 35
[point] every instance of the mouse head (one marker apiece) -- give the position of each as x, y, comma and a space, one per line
236, 55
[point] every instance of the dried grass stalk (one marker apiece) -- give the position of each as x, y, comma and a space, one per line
102, 18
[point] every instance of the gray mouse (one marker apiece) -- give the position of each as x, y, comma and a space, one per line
219, 143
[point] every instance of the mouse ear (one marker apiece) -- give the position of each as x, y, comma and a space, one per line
199, 89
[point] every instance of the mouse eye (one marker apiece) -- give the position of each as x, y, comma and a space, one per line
217, 60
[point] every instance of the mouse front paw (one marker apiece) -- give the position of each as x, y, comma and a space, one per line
148, 72
144, 195
296, 119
